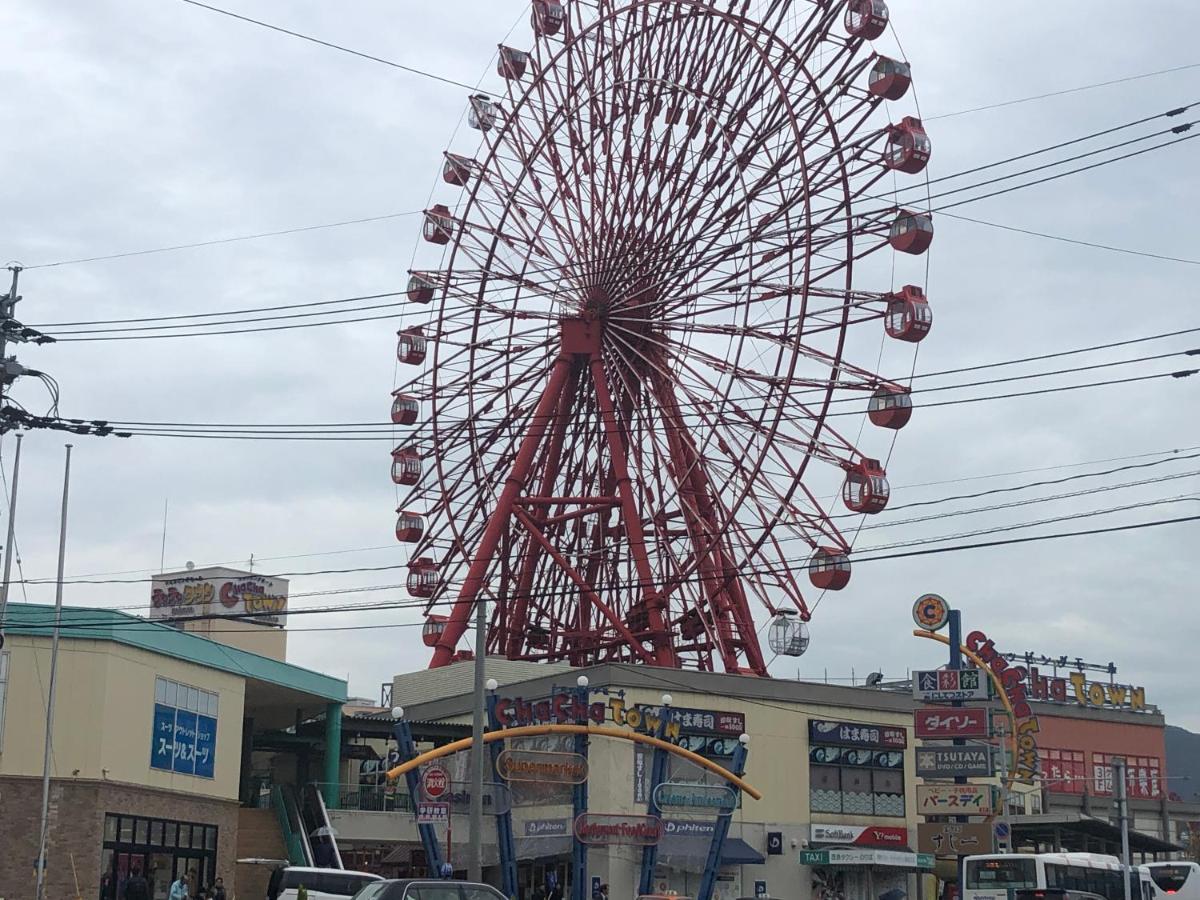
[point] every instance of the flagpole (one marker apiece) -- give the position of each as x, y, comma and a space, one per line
49, 744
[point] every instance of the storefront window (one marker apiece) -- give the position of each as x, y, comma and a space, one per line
160, 848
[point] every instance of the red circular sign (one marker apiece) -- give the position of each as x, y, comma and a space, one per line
435, 782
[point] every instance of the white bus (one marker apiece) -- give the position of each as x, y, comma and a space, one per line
1045, 876
1179, 880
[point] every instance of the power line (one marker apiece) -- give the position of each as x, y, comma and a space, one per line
1074, 90
1170, 455
226, 240
800, 565
377, 432
1066, 240
228, 312
332, 46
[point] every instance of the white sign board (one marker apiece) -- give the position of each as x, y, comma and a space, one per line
432, 813
217, 591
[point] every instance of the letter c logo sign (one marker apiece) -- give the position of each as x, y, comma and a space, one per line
931, 612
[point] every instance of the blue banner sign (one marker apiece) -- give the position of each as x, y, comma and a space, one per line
183, 742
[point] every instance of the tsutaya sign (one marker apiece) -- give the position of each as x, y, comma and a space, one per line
1074, 688
217, 591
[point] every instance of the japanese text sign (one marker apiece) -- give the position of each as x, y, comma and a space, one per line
946, 722
857, 734
954, 838
955, 800
943, 685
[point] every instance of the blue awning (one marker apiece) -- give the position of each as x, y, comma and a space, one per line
737, 852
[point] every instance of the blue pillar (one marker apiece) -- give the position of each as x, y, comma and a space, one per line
504, 831
333, 755
408, 751
658, 774
709, 880
579, 798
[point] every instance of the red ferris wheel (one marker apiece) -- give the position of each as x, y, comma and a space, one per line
667, 267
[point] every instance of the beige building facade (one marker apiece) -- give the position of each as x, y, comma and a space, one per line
153, 733
834, 765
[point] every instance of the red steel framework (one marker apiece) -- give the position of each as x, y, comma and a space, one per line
630, 351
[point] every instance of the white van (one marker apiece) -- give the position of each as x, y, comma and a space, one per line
322, 884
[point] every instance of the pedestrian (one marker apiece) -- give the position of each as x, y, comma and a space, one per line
179, 889
218, 891
136, 886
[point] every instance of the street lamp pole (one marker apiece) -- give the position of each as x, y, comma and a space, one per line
475, 845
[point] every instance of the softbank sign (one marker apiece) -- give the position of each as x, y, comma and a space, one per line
860, 835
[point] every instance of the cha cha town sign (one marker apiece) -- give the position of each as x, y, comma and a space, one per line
1036, 686
217, 591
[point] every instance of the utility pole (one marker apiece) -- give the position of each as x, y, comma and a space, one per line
1119, 790
10, 541
12, 417
49, 745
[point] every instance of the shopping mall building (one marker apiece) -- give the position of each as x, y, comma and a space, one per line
187, 744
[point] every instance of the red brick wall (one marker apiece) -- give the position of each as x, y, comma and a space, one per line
77, 810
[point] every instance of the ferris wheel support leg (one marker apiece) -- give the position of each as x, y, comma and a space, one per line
660, 634
517, 626
460, 614
719, 576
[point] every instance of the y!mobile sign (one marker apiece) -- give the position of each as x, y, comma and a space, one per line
946, 722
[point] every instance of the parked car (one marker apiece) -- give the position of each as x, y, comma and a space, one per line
321, 884
426, 889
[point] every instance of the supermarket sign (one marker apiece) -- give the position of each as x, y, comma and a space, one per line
948, 685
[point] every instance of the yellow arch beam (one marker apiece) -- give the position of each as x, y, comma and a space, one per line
1000, 692
599, 730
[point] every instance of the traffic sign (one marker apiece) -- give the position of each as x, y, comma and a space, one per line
435, 782
1002, 831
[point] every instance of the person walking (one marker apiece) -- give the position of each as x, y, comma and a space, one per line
136, 886
179, 889
218, 890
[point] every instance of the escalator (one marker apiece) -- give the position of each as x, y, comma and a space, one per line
318, 830
291, 823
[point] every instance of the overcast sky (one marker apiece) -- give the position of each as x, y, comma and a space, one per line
132, 124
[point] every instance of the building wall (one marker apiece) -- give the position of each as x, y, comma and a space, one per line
103, 716
77, 810
265, 640
1103, 735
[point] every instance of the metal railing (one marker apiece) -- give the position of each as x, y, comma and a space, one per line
371, 797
